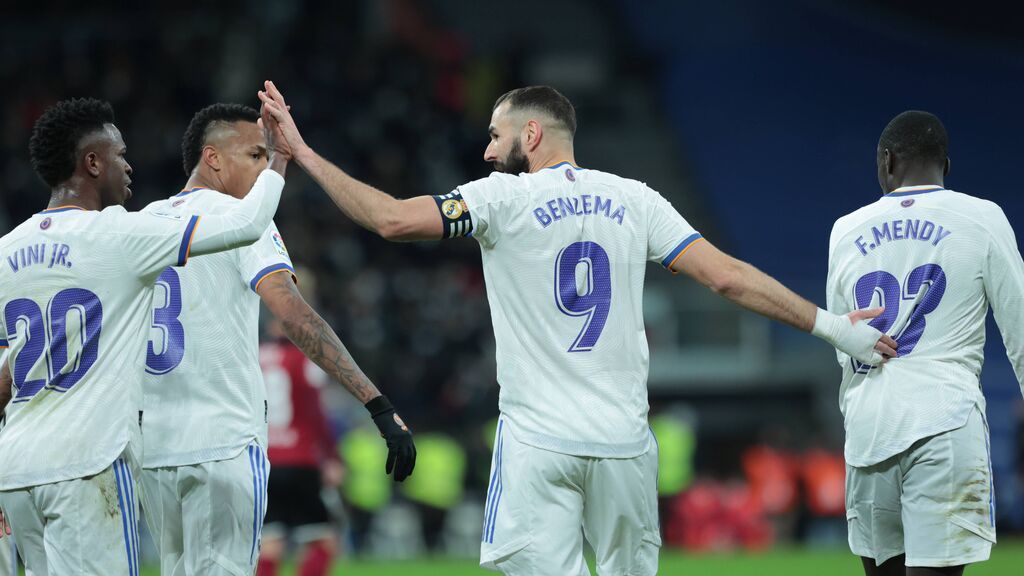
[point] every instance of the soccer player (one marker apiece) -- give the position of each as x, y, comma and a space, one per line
305, 460
76, 297
564, 252
204, 491
919, 479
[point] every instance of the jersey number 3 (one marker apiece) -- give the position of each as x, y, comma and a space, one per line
49, 337
583, 287
165, 353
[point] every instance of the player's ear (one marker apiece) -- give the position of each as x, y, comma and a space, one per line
533, 132
945, 169
211, 158
888, 160
91, 162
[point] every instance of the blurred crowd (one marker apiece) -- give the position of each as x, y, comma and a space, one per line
376, 88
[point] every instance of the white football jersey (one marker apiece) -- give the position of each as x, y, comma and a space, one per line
76, 293
564, 255
936, 259
204, 398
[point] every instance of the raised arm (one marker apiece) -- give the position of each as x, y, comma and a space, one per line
754, 290
391, 218
317, 340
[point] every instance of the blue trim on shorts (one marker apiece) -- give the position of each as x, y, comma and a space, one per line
496, 484
991, 480
255, 502
123, 495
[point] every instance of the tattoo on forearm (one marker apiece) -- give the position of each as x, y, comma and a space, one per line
317, 340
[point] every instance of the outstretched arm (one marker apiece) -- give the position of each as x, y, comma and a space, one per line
754, 290
317, 340
392, 219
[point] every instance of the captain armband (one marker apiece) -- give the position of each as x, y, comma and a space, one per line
455, 218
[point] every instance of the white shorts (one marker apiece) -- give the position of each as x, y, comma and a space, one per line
207, 518
540, 504
8, 557
933, 502
82, 526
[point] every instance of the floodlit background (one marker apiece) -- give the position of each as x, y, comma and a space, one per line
757, 120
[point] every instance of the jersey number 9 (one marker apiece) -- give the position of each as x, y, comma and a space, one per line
583, 287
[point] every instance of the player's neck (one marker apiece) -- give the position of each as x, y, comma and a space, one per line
553, 158
920, 179
72, 194
198, 179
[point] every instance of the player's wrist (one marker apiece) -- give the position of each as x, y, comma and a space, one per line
379, 405
303, 155
828, 326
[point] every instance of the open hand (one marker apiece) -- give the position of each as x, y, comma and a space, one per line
275, 107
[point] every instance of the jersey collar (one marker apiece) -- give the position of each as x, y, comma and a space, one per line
563, 163
57, 209
190, 190
910, 190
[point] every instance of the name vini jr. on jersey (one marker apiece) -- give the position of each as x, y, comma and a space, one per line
920, 230
584, 204
34, 254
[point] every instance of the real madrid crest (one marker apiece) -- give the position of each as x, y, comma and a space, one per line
452, 209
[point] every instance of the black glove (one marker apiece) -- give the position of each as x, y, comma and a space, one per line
401, 450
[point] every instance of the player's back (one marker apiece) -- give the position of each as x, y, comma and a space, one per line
923, 253
76, 292
564, 255
202, 361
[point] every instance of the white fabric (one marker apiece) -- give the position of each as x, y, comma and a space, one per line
244, 224
82, 526
203, 373
94, 265
569, 385
208, 518
539, 500
9, 557
933, 501
934, 383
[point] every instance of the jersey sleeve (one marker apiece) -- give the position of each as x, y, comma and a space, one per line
265, 257
151, 241
483, 201
1003, 276
669, 235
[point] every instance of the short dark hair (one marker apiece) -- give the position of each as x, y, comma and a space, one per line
57, 133
195, 135
916, 136
545, 99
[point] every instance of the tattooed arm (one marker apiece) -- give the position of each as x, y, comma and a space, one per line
321, 345
314, 336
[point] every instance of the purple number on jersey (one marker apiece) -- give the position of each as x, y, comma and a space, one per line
165, 319
77, 301
596, 299
888, 288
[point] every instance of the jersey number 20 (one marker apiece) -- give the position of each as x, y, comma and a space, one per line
49, 337
583, 287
